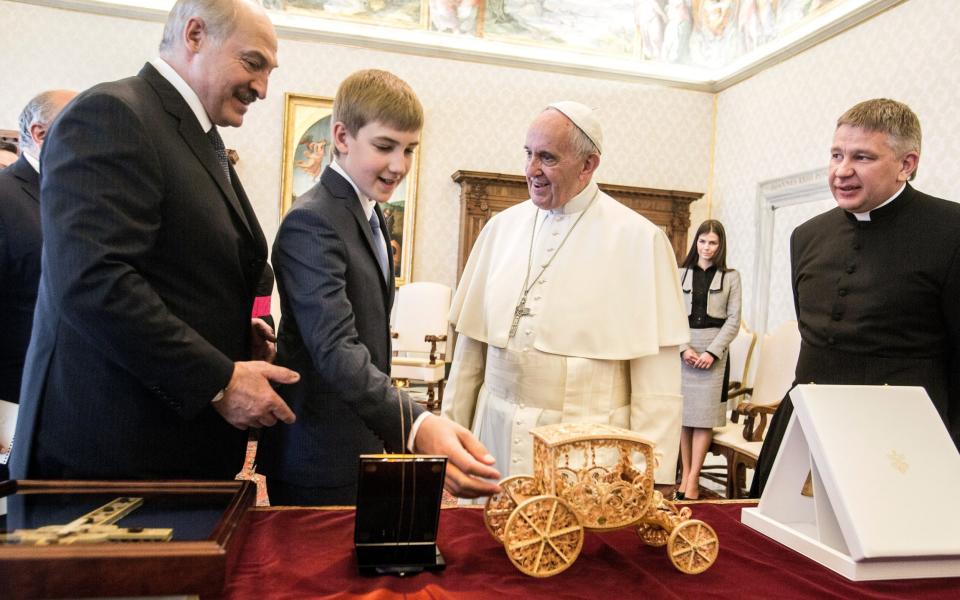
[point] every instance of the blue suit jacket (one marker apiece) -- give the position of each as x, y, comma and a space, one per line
335, 332
150, 261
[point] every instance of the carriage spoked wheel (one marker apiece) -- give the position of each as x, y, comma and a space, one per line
693, 546
653, 535
500, 506
543, 536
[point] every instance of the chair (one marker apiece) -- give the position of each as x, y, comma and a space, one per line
740, 443
740, 354
419, 336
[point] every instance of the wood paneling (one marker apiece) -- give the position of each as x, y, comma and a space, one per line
483, 195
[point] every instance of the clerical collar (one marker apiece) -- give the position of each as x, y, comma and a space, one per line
578, 203
34, 162
366, 203
189, 96
865, 216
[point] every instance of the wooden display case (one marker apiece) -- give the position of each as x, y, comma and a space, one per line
206, 519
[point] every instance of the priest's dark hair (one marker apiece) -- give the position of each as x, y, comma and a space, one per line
720, 258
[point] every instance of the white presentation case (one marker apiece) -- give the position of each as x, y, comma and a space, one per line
886, 479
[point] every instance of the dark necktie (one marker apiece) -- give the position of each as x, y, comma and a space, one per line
220, 149
379, 245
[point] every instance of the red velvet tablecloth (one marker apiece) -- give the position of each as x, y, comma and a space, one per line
308, 553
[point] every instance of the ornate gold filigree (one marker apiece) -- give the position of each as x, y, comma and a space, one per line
591, 477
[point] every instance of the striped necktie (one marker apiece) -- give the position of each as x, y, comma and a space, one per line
379, 245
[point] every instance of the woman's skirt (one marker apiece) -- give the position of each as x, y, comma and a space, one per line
705, 390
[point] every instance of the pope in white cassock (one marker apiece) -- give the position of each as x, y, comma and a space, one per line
569, 309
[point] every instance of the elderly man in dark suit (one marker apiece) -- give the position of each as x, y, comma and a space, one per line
139, 363
20, 237
20, 240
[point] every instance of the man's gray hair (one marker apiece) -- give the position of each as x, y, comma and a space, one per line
582, 144
219, 17
42, 108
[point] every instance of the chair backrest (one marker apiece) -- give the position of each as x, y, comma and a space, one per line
421, 309
741, 353
778, 364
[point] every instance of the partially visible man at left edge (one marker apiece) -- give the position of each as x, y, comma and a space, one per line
20, 240
20, 236
139, 363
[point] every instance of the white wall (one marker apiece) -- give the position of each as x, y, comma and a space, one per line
476, 114
781, 121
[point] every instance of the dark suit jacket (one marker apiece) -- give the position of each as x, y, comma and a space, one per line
150, 261
20, 242
334, 331
876, 304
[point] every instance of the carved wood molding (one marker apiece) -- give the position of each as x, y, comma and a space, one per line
483, 195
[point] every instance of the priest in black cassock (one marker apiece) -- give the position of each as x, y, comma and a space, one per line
876, 281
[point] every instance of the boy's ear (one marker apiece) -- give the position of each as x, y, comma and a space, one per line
340, 134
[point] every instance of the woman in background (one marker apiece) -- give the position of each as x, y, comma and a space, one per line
711, 292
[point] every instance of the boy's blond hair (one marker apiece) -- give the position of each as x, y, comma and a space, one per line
375, 95
890, 117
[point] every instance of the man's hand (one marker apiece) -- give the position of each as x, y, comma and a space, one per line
249, 401
690, 357
263, 343
467, 459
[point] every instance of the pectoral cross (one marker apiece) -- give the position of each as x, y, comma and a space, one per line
520, 311
94, 527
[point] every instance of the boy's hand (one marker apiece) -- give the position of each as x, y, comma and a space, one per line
467, 459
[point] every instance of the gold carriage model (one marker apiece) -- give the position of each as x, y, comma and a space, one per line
590, 477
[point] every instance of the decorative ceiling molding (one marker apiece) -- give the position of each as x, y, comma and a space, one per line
795, 40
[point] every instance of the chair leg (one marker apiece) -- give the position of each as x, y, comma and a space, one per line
731, 457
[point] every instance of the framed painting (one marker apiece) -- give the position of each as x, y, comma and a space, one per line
308, 149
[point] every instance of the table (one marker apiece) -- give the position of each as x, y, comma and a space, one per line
308, 553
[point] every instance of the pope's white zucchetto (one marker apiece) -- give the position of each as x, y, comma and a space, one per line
583, 117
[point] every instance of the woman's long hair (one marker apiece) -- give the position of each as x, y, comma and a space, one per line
720, 256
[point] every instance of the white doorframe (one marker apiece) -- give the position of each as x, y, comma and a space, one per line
808, 186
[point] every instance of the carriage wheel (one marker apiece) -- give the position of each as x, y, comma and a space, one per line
652, 535
500, 506
693, 546
543, 536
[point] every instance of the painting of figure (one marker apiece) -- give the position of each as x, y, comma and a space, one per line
454, 16
715, 40
395, 13
608, 27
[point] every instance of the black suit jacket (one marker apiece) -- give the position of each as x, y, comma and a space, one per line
20, 241
334, 331
150, 262
876, 304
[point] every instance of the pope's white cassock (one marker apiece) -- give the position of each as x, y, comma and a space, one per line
599, 343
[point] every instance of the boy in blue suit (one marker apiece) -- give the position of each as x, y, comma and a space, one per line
331, 258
